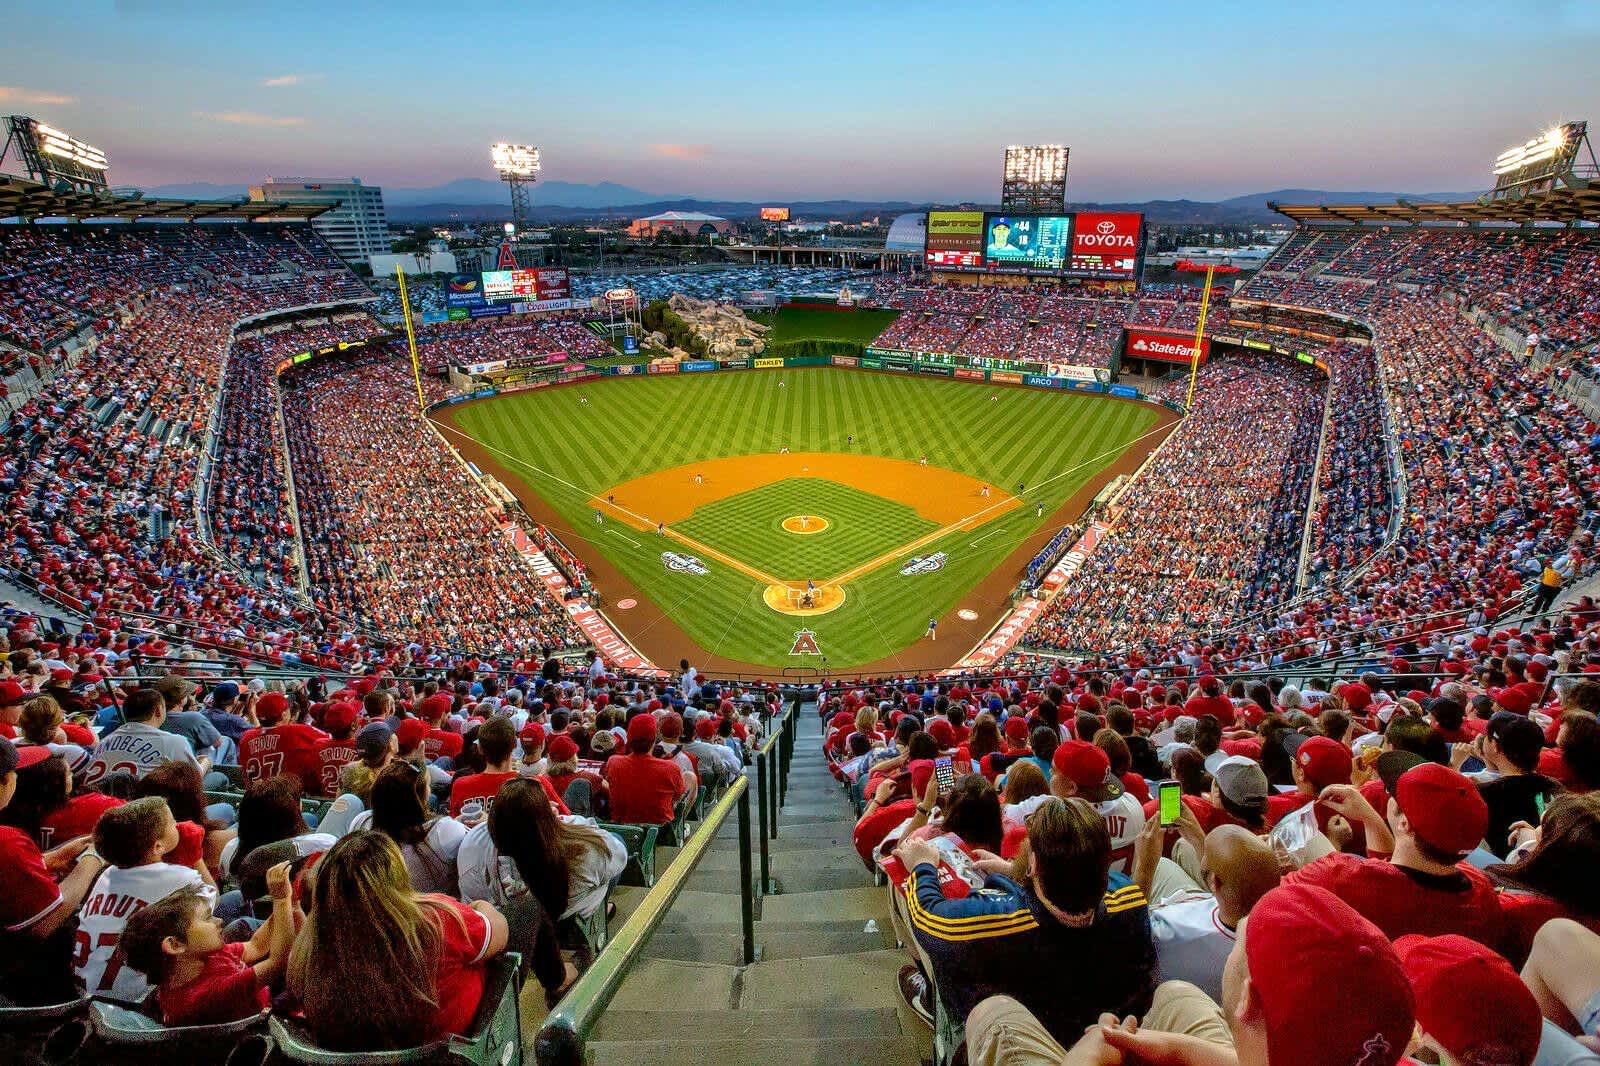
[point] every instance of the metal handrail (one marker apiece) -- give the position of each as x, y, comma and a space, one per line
566, 1029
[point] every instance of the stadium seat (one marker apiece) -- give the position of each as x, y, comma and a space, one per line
49, 1034
494, 1039
128, 1034
640, 840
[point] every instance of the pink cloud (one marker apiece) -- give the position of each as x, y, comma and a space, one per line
16, 94
681, 151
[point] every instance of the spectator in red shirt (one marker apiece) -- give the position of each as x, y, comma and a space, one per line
1436, 817
1315, 763
561, 770
45, 805
497, 740
36, 914
279, 747
339, 750
417, 974
644, 789
177, 944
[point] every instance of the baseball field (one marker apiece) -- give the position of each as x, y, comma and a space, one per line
725, 516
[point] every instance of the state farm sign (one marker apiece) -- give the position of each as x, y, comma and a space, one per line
1102, 233
1165, 347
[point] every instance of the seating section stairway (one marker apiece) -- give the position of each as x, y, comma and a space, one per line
823, 990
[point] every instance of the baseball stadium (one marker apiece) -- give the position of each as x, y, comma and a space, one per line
1015, 629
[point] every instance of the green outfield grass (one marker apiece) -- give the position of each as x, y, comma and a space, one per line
566, 450
859, 326
749, 527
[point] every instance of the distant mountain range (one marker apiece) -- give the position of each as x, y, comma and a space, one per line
482, 200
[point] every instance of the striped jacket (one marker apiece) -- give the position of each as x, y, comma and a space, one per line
1000, 940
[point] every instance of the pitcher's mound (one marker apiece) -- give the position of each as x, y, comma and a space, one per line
805, 524
787, 599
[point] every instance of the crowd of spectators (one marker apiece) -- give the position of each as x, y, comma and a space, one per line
445, 571
1212, 525
392, 834
1350, 873
524, 341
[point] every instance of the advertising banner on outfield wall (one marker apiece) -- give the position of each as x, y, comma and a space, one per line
966, 373
625, 368
665, 366
766, 364
1009, 633
1005, 377
846, 360
1043, 382
872, 362
736, 364
1125, 391
934, 368
698, 366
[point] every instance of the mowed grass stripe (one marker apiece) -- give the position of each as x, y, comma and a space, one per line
633, 426
749, 527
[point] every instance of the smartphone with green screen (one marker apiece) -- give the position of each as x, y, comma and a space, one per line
1170, 802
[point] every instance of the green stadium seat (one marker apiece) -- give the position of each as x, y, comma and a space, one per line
48, 1034
133, 1034
640, 842
234, 774
494, 1039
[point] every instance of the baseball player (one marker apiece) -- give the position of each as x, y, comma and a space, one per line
598, 517
933, 629
699, 478
1038, 510
661, 529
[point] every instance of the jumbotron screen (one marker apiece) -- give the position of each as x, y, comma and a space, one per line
955, 239
1027, 244
1087, 244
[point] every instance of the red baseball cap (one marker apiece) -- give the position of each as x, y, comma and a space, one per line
1356, 695
672, 725
1443, 806
942, 732
705, 728
412, 732
12, 693
1471, 1001
1513, 698
562, 748
1017, 728
532, 735
1331, 987
339, 716
1323, 760
643, 727
435, 705
272, 706
1087, 766
921, 771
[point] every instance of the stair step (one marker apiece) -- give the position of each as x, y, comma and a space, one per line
655, 982
839, 904
842, 1051
724, 945
822, 1023
862, 979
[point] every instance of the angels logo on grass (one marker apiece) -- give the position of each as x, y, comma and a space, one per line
805, 643
683, 564
924, 564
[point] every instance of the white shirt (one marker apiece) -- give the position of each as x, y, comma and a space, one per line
304, 844
432, 863
1125, 821
116, 896
1192, 944
488, 875
724, 762
137, 748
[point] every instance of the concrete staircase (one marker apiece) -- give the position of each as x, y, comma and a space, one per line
823, 990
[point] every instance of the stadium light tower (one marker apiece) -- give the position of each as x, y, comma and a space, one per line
1035, 179
518, 167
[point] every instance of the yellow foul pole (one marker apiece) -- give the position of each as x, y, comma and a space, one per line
1199, 332
411, 336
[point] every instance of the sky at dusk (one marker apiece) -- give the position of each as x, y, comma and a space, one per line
771, 101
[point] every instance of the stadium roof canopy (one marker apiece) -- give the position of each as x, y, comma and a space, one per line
682, 216
29, 199
1559, 205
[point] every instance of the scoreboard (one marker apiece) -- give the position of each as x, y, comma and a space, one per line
1086, 244
542, 284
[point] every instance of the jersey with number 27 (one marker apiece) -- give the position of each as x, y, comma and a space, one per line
117, 896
